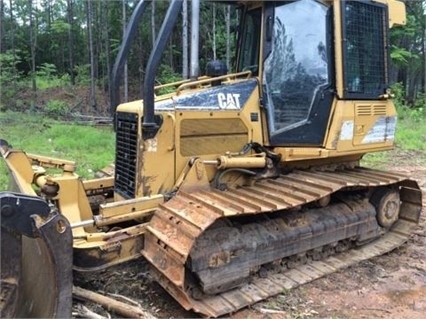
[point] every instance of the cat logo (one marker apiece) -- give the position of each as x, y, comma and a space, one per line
229, 101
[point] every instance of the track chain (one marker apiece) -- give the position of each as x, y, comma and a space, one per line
178, 223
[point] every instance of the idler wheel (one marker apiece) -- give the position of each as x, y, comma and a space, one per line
387, 204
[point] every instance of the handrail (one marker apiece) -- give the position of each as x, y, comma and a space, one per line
247, 75
177, 83
167, 85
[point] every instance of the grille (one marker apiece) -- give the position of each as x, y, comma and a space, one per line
126, 154
369, 110
365, 55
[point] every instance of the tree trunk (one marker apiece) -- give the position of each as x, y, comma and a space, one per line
228, 36
170, 52
141, 61
411, 91
185, 70
33, 46
107, 46
70, 13
101, 25
97, 35
214, 32
91, 54
2, 49
120, 308
49, 14
153, 32
12, 43
12, 30
195, 31
126, 73
424, 51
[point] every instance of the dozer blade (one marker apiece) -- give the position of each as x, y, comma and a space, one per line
36, 259
178, 225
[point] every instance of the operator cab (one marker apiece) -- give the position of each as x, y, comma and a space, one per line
295, 63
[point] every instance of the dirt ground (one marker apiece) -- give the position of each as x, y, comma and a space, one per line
391, 286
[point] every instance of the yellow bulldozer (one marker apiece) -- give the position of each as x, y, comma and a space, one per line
237, 185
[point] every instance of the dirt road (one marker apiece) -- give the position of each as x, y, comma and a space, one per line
391, 286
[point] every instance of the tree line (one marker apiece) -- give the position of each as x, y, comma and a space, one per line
74, 42
408, 52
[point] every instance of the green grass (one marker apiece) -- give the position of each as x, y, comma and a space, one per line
411, 134
90, 147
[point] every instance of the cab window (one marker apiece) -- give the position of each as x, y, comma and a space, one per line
249, 55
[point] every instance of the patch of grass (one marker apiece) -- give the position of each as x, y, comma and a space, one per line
90, 147
56, 108
376, 160
411, 134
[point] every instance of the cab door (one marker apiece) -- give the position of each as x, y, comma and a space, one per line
297, 78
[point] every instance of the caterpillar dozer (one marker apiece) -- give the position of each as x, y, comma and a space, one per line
236, 186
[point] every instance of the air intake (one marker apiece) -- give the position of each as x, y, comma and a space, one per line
126, 154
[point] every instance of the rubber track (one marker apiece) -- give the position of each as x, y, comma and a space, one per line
177, 224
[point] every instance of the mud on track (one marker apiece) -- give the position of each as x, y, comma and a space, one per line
391, 286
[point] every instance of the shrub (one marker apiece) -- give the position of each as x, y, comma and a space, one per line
82, 74
47, 70
9, 76
398, 92
420, 103
56, 108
